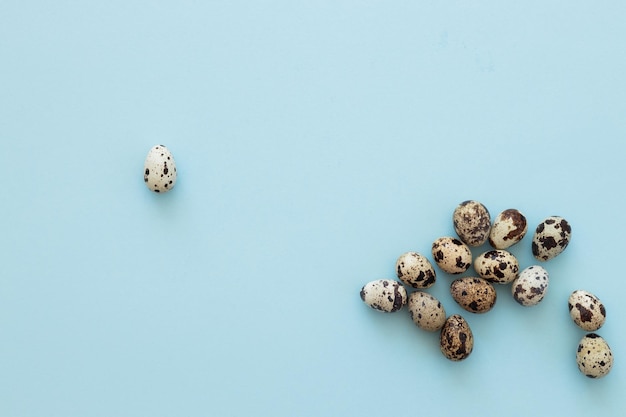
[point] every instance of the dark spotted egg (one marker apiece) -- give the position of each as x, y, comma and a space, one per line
474, 294
497, 266
159, 170
451, 255
594, 356
456, 340
586, 310
384, 295
509, 227
531, 286
472, 222
415, 270
551, 238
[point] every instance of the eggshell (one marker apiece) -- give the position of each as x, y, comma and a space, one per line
586, 310
426, 311
498, 266
531, 286
159, 170
415, 270
451, 255
551, 238
472, 222
473, 294
456, 340
594, 356
509, 227
384, 295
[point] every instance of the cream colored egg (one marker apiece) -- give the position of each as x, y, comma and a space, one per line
384, 295
497, 266
159, 170
426, 311
586, 310
551, 238
509, 227
531, 286
594, 356
451, 255
415, 270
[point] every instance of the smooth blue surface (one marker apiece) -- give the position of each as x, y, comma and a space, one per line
315, 141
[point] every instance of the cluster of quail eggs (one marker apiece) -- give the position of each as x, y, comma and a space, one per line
477, 294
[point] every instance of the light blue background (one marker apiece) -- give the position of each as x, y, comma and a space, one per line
315, 141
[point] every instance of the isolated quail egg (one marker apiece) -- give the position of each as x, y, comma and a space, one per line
159, 170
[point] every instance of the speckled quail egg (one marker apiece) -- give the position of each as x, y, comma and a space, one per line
594, 356
159, 170
472, 222
426, 311
509, 227
451, 255
551, 238
415, 270
531, 286
497, 266
586, 310
473, 294
456, 340
384, 295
